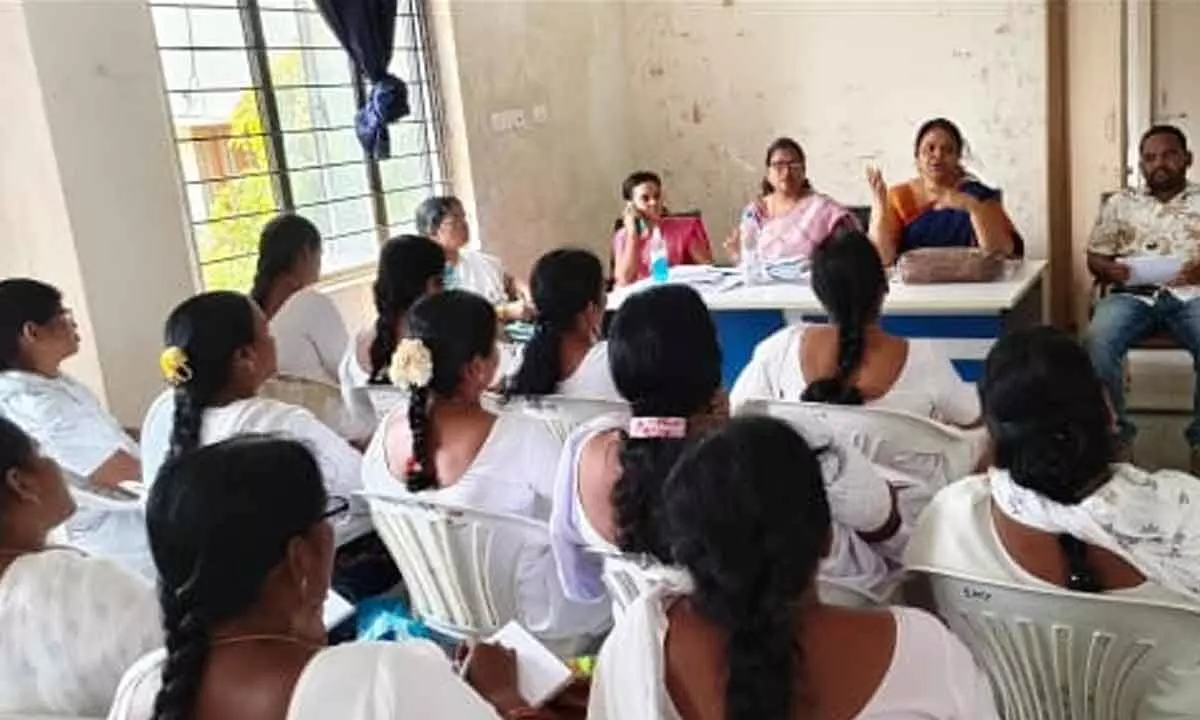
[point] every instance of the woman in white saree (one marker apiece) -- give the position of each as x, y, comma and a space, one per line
1055, 510
69, 624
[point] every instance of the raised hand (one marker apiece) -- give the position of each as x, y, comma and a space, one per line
878, 186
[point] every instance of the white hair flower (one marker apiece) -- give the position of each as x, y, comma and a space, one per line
412, 364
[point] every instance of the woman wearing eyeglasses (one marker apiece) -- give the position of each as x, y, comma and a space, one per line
37, 335
790, 219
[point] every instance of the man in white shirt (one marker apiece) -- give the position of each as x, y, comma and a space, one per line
1160, 220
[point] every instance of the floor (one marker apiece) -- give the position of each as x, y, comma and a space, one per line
1160, 398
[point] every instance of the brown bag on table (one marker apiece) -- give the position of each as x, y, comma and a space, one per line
927, 266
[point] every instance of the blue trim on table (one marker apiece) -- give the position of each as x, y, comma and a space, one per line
739, 332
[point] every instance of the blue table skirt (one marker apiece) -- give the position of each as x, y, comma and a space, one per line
968, 336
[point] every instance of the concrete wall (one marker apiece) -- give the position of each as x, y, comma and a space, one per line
537, 120
91, 198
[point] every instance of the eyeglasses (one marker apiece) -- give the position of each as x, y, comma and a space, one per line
796, 167
336, 506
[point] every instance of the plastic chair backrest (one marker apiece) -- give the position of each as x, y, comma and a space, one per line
1052, 654
563, 413
322, 399
460, 566
915, 446
627, 576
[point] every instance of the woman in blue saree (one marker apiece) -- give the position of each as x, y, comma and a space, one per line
944, 206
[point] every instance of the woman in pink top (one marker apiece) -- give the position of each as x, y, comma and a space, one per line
790, 219
687, 241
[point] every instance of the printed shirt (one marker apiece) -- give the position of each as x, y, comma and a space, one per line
1134, 222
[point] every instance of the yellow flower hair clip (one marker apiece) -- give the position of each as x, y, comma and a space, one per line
174, 365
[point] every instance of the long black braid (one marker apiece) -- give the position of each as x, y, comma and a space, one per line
849, 280
409, 265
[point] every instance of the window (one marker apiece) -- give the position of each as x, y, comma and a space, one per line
263, 101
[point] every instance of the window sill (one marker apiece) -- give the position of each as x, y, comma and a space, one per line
347, 279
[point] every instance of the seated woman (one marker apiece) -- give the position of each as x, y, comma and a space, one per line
37, 335
853, 361
308, 329
750, 638
565, 355
241, 537
410, 267
219, 353
944, 206
69, 624
1054, 511
685, 237
447, 447
667, 365
444, 219
790, 219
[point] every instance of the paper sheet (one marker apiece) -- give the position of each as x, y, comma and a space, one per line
1152, 269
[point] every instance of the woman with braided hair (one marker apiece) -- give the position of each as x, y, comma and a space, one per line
410, 267
69, 624
219, 352
447, 447
565, 355
748, 637
666, 362
852, 360
241, 536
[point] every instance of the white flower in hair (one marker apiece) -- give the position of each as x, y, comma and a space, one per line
412, 364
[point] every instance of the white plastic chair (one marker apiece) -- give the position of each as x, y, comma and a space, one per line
1052, 654
459, 565
323, 400
563, 413
915, 447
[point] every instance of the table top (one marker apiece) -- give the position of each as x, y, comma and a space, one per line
945, 299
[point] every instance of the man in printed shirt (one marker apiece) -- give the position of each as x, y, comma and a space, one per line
1160, 219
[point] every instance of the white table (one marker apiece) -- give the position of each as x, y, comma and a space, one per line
966, 319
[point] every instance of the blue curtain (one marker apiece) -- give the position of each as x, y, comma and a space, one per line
367, 30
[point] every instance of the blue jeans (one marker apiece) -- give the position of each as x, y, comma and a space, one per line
1120, 321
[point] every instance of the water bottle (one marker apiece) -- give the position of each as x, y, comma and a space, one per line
660, 264
752, 266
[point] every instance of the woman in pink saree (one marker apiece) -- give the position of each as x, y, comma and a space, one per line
684, 235
790, 219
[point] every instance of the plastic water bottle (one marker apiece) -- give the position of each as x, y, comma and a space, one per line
660, 264
752, 266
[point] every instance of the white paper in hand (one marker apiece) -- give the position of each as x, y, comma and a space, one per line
1152, 269
335, 610
540, 674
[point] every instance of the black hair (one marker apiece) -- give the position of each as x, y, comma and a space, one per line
751, 538
16, 451
564, 283
945, 126
1171, 130
849, 280
456, 327
666, 362
1046, 412
406, 265
209, 328
219, 520
638, 178
283, 242
23, 301
786, 144
432, 212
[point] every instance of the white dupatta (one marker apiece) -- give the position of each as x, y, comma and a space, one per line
1151, 520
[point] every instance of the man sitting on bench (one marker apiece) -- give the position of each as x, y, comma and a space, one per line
1160, 220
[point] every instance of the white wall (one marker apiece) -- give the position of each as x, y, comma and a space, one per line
713, 83
91, 194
